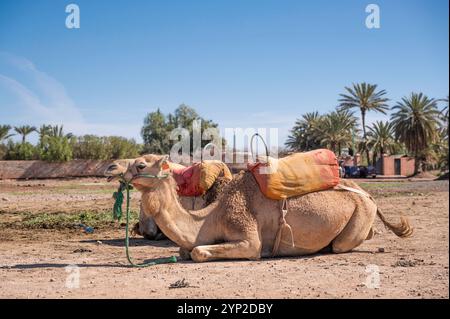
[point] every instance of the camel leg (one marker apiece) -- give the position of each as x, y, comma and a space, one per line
147, 226
184, 254
244, 249
356, 231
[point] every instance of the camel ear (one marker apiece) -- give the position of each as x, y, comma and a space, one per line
163, 163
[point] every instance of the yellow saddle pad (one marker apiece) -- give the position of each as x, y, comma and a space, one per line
296, 174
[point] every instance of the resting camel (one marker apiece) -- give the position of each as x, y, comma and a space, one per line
146, 226
243, 224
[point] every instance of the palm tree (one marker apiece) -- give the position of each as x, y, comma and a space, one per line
58, 131
381, 137
4, 132
44, 130
444, 111
415, 124
336, 129
304, 133
364, 97
24, 131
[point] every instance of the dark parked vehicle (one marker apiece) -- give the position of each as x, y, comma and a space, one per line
359, 172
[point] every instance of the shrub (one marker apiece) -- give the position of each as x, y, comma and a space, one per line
21, 151
56, 149
120, 147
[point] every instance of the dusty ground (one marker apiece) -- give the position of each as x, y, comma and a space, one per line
33, 260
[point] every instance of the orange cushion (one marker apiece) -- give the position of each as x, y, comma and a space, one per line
296, 174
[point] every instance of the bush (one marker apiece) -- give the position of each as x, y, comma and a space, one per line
89, 147
21, 151
120, 147
56, 149
3, 151
104, 148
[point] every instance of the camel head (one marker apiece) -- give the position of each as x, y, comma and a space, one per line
117, 168
144, 172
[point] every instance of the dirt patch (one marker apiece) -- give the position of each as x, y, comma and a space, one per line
426, 175
34, 261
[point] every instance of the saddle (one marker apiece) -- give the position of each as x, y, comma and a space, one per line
196, 179
296, 174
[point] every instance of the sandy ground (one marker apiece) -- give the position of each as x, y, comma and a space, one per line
34, 262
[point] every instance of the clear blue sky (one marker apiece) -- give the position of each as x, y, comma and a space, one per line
251, 63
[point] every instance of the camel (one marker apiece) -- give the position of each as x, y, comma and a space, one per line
146, 226
243, 224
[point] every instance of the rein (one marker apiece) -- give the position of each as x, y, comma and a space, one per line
117, 213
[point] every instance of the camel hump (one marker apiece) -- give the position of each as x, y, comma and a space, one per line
402, 230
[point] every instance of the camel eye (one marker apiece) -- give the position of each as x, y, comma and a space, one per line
141, 166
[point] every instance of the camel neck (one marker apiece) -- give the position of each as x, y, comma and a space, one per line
186, 228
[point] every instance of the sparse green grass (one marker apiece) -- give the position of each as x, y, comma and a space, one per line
66, 220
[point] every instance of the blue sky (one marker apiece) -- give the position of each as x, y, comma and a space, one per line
252, 63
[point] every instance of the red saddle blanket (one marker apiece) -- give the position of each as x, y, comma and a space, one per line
196, 179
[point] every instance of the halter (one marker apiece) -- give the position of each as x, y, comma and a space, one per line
117, 211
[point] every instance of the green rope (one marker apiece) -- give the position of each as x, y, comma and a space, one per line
117, 211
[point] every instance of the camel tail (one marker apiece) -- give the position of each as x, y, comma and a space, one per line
402, 230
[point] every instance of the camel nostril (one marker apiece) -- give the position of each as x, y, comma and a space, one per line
112, 167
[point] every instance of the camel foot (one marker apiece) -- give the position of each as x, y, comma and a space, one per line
135, 230
160, 236
184, 254
200, 255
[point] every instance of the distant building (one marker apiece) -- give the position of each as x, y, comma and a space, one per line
395, 165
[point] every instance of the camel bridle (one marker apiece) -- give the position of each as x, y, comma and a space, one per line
117, 213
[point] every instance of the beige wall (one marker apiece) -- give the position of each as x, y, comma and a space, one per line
41, 169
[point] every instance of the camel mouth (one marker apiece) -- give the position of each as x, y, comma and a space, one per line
112, 172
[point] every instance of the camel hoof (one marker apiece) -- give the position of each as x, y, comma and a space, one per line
184, 254
135, 230
199, 255
160, 236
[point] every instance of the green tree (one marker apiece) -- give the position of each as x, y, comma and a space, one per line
20, 151
155, 133
58, 131
90, 147
335, 130
24, 130
54, 145
57, 149
440, 146
381, 139
120, 147
4, 132
157, 128
364, 97
304, 135
415, 123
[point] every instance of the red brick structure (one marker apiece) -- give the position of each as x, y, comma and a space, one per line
395, 165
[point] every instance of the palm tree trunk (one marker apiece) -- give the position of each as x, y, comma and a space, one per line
363, 119
23, 138
416, 165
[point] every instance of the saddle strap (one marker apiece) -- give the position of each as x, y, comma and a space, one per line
283, 224
354, 190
